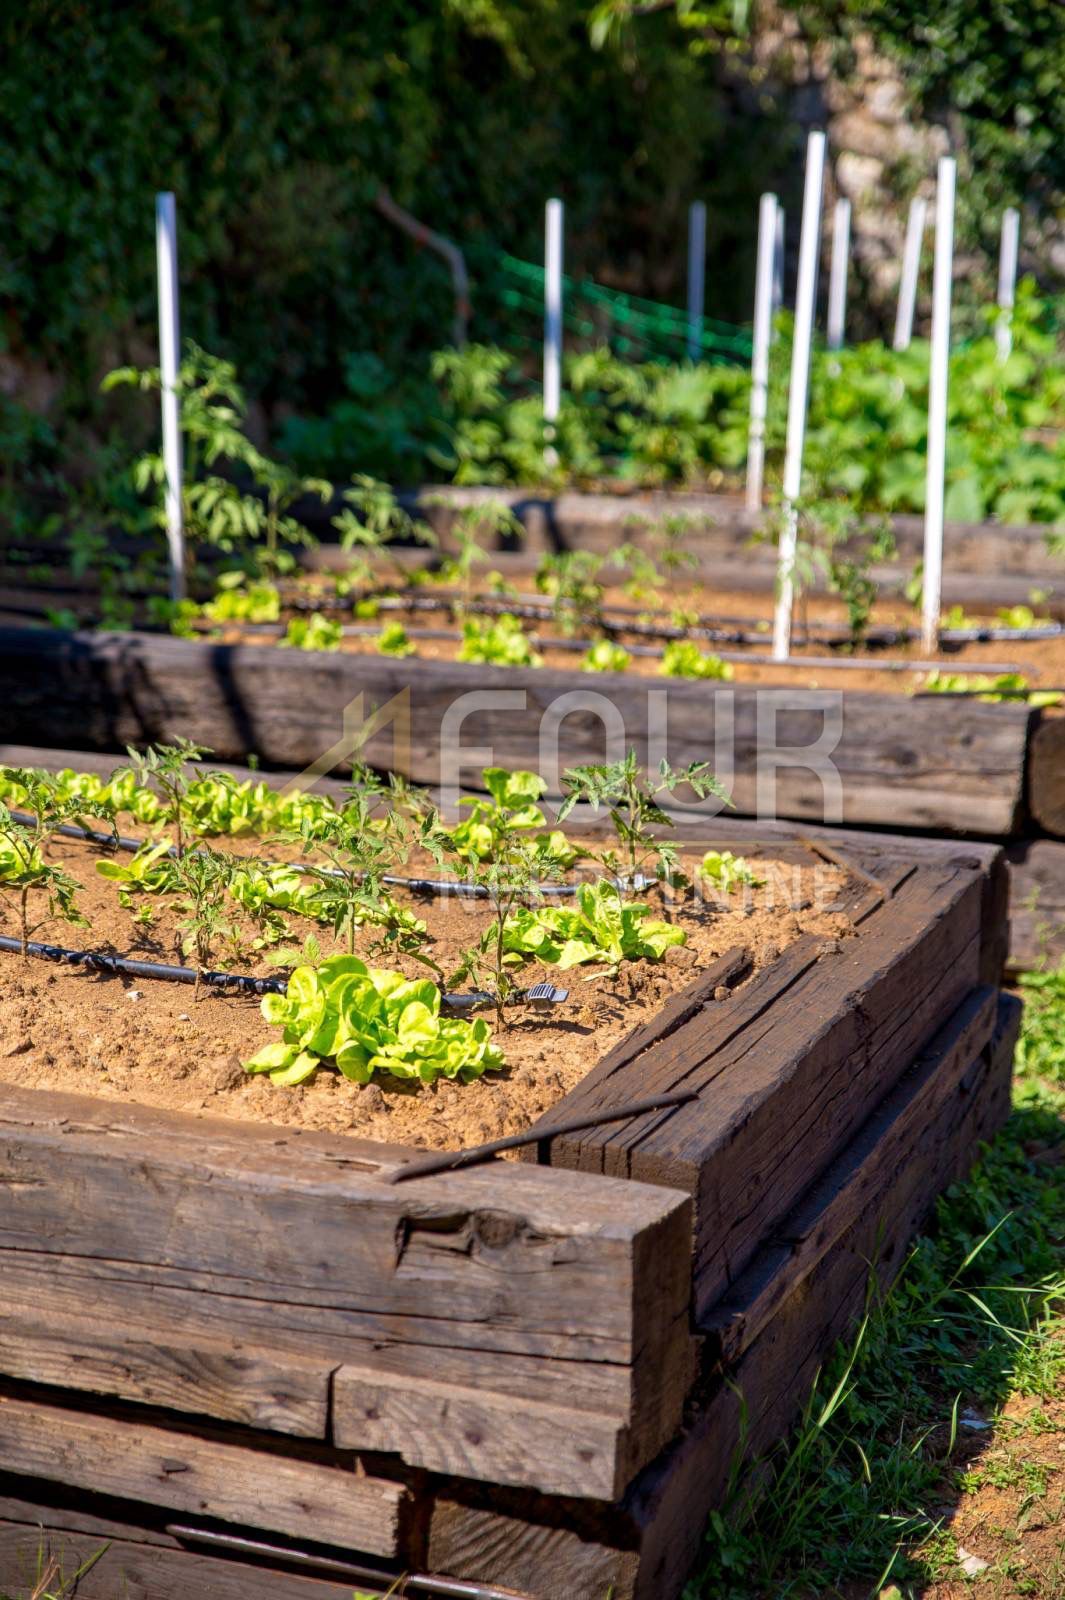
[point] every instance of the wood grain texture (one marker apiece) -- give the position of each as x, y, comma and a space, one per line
230, 1271
95, 1344
129, 1570
670, 1502
875, 1161
1046, 774
476, 1433
900, 762
646, 1547
787, 1068
201, 1477
1037, 903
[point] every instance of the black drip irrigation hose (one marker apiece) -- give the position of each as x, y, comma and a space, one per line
540, 995
744, 630
442, 888
125, 967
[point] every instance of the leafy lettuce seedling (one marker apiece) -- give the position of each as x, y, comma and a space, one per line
497, 642
726, 871
682, 658
369, 1020
605, 656
484, 834
312, 633
1007, 686
599, 927
393, 640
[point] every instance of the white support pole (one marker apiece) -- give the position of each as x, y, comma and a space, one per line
805, 298
911, 266
937, 404
169, 359
696, 276
763, 327
552, 310
778, 264
837, 277
1007, 281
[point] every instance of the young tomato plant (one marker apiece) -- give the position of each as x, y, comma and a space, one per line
164, 766
347, 853
201, 879
508, 882
631, 797
24, 872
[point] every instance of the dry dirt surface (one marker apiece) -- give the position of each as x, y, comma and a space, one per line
152, 1042
1042, 661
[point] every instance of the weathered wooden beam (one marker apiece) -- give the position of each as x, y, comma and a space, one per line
645, 1548
186, 1472
136, 1563
563, 1305
787, 1068
1046, 774
879, 759
1037, 903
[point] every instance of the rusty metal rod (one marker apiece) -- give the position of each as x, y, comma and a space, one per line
448, 1160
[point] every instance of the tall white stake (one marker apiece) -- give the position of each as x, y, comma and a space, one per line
696, 277
552, 310
778, 264
837, 277
1007, 281
911, 266
805, 298
937, 404
169, 358
763, 325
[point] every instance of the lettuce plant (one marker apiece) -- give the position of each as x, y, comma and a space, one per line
682, 658
369, 1020
605, 656
312, 633
601, 926
726, 871
393, 640
1007, 686
484, 834
258, 602
499, 641
146, 872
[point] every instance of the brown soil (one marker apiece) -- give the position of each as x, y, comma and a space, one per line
1042, 662
153, 1042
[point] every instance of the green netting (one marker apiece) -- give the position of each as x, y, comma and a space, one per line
638, 329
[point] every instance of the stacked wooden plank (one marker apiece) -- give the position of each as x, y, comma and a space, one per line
245, 1356
929, 765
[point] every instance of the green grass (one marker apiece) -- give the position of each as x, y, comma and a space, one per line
853, 1501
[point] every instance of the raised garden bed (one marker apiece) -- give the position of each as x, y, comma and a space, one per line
511, 1376
931, 764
